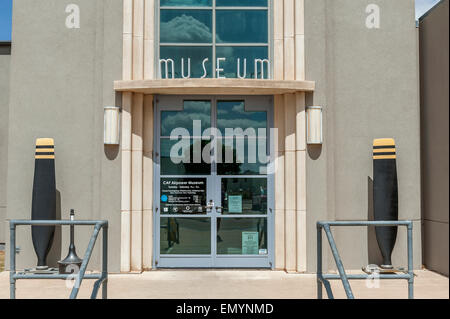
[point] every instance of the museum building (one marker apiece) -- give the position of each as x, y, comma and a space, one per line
135, 94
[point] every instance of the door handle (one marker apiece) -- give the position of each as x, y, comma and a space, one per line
210, 205
219, 209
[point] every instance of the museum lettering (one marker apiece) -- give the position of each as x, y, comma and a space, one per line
169, 66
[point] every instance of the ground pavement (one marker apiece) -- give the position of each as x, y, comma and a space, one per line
226, 284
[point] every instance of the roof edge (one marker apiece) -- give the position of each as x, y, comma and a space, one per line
426, 14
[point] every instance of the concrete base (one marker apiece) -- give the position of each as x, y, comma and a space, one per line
198, 284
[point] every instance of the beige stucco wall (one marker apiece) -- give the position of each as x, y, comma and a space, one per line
367, 81
60, 80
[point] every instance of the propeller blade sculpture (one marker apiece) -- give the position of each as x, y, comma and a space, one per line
44, 199
385, 196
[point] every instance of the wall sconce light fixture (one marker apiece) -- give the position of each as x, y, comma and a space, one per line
111, 134
314, 134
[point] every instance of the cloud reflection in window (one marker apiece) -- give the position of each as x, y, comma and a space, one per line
184, 26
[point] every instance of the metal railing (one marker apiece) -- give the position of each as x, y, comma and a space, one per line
102, 278
323, 279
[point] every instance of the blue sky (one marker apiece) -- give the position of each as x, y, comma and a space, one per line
422, 6
5, 20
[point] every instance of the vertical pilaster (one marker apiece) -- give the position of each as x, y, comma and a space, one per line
127, 66
137, 140
279, 183
148, 183
149, 39
278, 43
125, 250
290, 182
137, 182
300, 40
301, 181
138, 39
289, 40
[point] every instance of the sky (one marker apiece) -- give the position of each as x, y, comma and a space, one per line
5, 20
422, 6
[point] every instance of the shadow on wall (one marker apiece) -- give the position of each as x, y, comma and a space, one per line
55, 252
111, 151
374, 253
314, 151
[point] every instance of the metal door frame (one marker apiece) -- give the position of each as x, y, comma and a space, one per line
256, 103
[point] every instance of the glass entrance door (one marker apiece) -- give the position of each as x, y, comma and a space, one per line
214, 187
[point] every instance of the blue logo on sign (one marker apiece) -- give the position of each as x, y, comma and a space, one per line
164, 198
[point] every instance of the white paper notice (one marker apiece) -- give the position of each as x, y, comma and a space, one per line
235, 204
250, 244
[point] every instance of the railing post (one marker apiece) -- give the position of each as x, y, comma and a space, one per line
12, 260
105, 262
87, 257
410, 262
319, 262
340, 266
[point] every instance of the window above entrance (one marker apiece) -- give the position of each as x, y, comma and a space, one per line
214, 39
